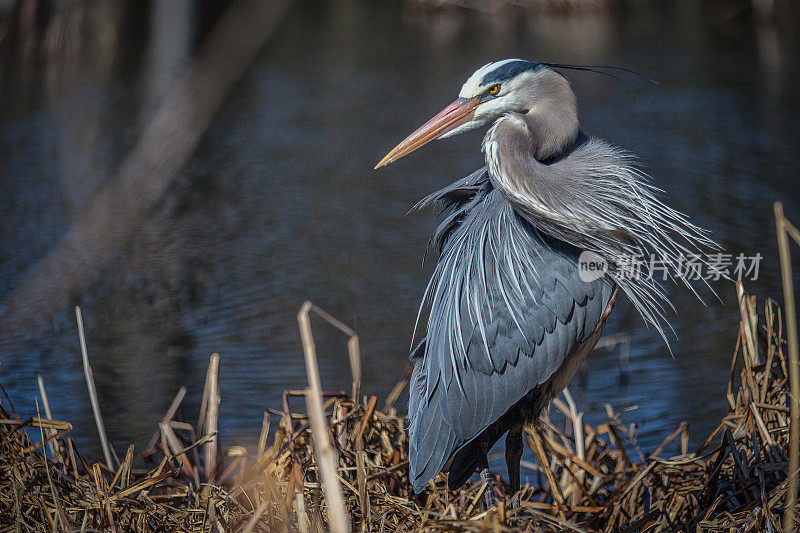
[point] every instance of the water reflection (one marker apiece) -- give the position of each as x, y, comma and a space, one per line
278, 202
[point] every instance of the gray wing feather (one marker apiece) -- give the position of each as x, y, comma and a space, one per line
497, 333
457, 193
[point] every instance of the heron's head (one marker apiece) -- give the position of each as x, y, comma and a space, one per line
511, 85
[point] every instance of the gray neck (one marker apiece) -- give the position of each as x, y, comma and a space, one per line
553, 118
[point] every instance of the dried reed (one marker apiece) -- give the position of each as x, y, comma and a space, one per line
342, 465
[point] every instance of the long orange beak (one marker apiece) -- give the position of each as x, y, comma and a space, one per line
449, 118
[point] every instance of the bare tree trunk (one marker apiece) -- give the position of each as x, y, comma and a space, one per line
114, 214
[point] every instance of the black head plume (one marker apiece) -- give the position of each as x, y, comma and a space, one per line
601, 69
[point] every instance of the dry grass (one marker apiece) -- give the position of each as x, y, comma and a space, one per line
593, 479
344, 467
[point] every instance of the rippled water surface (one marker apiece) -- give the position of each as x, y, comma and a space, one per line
279, 202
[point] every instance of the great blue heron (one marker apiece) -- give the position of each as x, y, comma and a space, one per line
512, 316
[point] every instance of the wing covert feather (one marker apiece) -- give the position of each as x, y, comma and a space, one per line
526, 321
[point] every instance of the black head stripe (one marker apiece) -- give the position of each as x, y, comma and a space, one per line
509, 70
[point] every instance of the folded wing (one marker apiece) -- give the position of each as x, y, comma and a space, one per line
507, 306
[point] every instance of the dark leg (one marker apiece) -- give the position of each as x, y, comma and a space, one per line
513, 458
486, 477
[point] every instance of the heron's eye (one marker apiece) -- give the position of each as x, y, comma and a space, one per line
494, 89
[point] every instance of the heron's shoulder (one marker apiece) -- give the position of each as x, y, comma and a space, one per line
589, 148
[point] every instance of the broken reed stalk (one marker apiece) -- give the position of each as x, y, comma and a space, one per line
168, 416
262, 437
784, 229
353, 350
59, 511
212, 414
52, 444
748, 327
87, 371
300, 511
201, 419
326, 455
576, 418
173, 444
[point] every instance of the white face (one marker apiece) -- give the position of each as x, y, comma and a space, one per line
514, 94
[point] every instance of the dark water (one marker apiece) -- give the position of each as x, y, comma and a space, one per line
280, 204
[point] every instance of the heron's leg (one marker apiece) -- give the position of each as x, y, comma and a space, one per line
513, 457
486, 477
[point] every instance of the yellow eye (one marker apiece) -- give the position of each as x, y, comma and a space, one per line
494, 89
